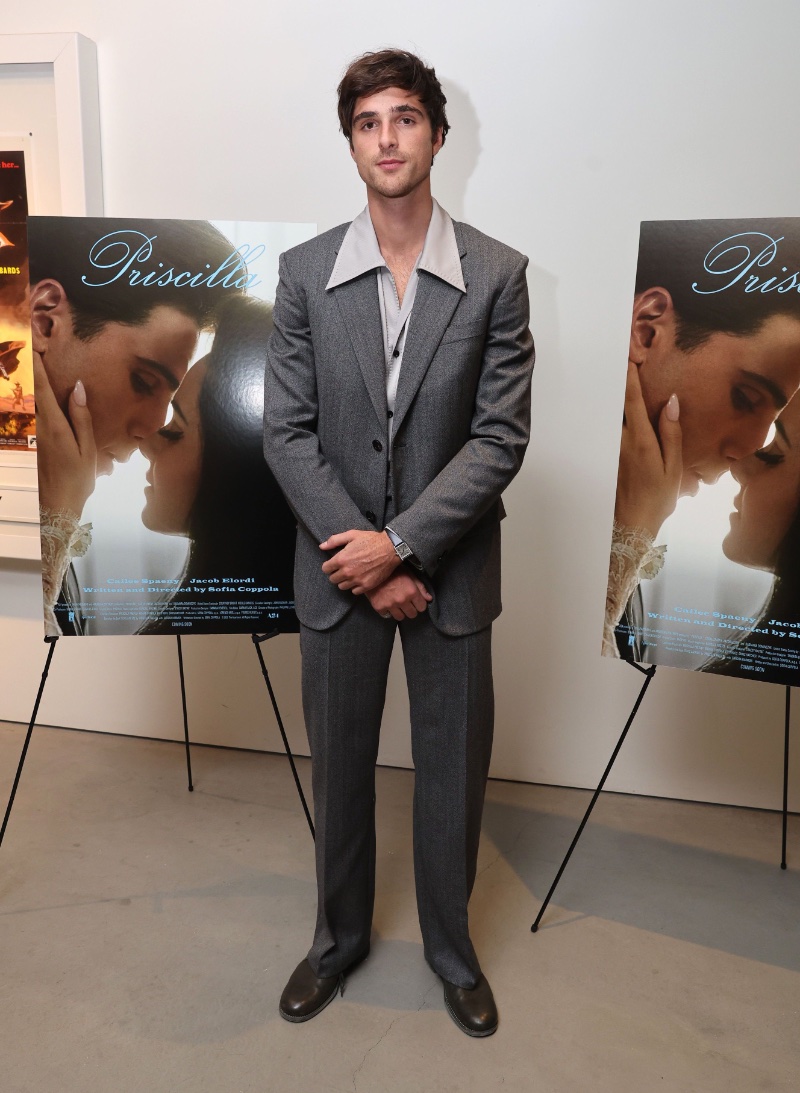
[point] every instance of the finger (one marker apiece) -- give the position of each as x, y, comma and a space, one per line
81, 420
409, 610
338, 540
422, 589
671, 436
419, 602
396, 613
331, 565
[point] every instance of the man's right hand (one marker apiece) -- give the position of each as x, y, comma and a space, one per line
401, 596
66, 453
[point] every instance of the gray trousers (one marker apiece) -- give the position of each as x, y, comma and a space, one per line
452, 714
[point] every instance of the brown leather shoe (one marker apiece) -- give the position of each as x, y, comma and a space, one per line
306, 994
474, 1011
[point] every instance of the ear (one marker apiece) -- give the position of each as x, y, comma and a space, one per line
438, 140
50, 314
652, 322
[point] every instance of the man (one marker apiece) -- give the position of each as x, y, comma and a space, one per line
397, 411
714, 357
108, 357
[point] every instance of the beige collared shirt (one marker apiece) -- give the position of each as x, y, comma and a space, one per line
360, 253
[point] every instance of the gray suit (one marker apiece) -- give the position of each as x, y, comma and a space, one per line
460, 429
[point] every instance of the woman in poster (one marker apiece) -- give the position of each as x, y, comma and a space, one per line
765, 534
208, 481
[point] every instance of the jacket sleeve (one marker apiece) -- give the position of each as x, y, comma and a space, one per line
476, 476
291, 445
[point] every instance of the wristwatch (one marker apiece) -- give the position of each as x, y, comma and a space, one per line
403, 550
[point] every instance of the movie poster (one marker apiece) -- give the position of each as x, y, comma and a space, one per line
705, 550
17, 422
158, 512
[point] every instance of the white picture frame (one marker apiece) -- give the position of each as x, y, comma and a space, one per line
74, 61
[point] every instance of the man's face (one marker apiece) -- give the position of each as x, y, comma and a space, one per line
730, 390
392, 142
130, 374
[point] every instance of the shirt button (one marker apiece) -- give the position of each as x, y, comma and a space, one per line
370, 516
389, 500
376, 444
390, 413
396, 353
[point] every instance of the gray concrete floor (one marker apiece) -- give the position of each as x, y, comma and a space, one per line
146, 934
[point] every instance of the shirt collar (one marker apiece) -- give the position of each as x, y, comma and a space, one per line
360, 252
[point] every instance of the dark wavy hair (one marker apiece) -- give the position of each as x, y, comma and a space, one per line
240, 524
374, 72
673, 253
60, 246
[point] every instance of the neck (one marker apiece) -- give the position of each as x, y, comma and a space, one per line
401, 223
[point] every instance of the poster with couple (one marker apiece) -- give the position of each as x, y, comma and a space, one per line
158, 512
705, 548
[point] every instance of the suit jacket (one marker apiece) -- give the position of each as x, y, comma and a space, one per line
461, 421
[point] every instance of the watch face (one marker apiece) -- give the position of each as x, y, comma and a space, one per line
403, 550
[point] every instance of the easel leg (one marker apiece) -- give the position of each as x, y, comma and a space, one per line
786, 776
185, 717
52, 643
257, 639
649, 672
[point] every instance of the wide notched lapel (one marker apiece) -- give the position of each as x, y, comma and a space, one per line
433, 309
358, 303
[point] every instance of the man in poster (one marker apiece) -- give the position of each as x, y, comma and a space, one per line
400, 403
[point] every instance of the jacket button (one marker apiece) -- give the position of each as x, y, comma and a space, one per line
370, 516
376, 444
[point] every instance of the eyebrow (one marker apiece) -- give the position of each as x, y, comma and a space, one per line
403, 108
166, 374
777, 395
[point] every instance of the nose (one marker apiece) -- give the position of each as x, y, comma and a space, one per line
747, 438
742, 469
146, 447
387, 138
148, 420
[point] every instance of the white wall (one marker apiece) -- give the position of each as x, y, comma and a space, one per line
572, 121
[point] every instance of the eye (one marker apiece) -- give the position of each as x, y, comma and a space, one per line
169, 432
772, 459
742, 399
143, 384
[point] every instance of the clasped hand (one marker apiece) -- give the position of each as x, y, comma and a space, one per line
365, 564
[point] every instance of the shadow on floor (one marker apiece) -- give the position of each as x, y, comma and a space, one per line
722, 901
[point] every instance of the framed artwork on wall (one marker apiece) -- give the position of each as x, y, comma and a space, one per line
50, 141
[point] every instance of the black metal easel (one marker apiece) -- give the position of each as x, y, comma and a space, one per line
786, 776
51, 641
649, 673
257, 640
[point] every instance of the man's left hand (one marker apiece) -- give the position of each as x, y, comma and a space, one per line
366, 559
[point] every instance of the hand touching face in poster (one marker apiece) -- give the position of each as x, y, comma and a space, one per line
175, 458
768, 500
730, 387
127, 371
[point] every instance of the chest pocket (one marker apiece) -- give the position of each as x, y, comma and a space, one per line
460, 332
